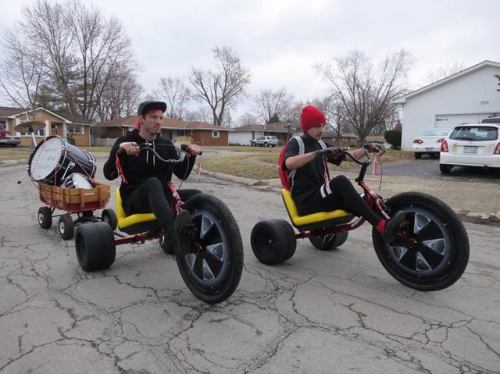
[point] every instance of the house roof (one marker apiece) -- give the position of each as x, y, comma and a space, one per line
65, 116
167, 123
276, 127
440, 82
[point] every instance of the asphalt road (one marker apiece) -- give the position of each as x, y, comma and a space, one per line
321, 312
429, 168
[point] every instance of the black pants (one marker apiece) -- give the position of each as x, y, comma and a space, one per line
152, 197
339, 194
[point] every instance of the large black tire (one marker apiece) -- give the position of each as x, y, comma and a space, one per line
212, 271
329, 242
418, 155
434, 253
45, 217
445, 169
109, 216
66, 227
273, 241
95, 246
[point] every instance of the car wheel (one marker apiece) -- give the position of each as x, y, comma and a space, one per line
445, 169
418, 155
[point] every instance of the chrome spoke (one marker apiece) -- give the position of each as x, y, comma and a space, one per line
217, 250
421, 222
207, 272
436, 245
421, 263
206, 226
399, 252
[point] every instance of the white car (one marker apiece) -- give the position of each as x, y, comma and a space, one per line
471, 145
429, 142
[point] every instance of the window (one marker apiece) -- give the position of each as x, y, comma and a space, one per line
474, 133
216, 134
40, 132
75, 129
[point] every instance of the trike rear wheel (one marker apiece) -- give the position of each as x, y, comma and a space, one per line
329, 242
95, 246
273, 241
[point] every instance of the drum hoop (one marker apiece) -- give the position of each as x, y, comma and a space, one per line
58, 163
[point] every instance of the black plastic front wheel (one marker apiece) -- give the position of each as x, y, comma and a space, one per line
431, 250
212, 268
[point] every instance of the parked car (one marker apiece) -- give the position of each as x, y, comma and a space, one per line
429, 142
471, 145
491, 120
6, 139
264, 141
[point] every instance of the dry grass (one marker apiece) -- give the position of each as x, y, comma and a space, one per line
265, 165
14, 153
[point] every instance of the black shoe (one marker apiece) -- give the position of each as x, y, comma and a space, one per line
392, 226
171, 243
185, 230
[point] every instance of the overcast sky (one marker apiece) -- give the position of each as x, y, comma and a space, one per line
279, 41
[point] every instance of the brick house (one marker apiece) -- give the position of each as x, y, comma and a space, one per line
244, 134
56, 123
201, 133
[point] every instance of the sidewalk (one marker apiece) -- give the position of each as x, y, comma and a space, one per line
474, 202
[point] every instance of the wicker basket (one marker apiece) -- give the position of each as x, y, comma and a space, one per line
75, 199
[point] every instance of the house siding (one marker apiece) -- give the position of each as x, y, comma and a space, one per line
468, 98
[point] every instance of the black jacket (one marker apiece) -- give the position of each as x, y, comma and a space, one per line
139, 169
308, 178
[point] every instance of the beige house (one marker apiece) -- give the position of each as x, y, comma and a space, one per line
56, 123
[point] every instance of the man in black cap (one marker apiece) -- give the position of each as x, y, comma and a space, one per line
144, 188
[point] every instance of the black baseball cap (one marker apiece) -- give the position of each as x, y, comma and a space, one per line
146, 106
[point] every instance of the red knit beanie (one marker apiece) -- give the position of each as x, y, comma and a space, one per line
311, 117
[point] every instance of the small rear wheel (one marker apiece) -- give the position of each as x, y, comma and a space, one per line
273, 241
66, 227
95, 246
168, 249
45, 217
109, 216
329, 242
418, 155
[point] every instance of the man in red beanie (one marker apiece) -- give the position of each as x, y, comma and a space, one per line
312, 189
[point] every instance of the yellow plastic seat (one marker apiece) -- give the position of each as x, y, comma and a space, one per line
125, 223
311, 219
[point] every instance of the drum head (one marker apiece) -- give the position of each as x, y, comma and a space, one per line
45, 158
77, 180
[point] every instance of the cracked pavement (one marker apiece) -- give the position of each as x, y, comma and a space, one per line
321, 312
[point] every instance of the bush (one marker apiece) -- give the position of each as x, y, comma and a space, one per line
393, 137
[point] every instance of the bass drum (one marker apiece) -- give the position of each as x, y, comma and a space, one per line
54, 159
77, 180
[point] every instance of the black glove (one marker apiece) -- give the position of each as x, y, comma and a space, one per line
333, 155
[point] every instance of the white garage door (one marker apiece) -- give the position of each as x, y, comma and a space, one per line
451, 120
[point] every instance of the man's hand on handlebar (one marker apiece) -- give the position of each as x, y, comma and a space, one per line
375, 148
130, 148
194, 150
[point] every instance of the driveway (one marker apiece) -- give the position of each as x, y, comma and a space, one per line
321, 312
429, 168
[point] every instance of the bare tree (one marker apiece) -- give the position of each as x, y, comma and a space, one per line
176, 94
220, 88
203, 114
366, 95
82, 51
248, 118
21, 73
444, 71
120, 97
334, 112
272, 106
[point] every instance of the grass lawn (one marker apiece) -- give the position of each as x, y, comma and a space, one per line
14, 153
265, 165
